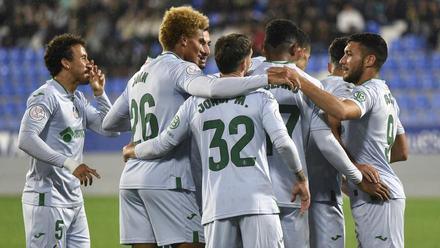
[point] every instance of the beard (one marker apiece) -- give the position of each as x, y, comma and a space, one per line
354, 75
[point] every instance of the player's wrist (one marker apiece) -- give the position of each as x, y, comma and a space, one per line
300, 176
98, 92
71, 164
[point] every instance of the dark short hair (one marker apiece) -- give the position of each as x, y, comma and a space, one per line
58, 48
372, 44
230, 50
283, 31
336, 50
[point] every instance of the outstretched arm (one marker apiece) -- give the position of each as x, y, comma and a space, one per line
159, 146
343, 110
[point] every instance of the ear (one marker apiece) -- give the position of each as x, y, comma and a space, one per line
183, 40
370, 60
65, 63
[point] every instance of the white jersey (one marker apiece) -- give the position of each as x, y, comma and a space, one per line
296, 110
230, 136
151, 98
369, 139
154, 94
53, 128
324, 179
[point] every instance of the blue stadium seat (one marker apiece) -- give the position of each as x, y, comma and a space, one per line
3, 56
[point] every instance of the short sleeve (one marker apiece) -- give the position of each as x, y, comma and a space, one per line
363, 97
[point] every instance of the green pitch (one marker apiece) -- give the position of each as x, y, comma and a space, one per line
422, 222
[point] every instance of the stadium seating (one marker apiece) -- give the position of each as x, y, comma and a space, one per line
410, 71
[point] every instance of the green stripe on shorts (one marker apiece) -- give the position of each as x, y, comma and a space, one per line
41, 199
178, 183
195, 237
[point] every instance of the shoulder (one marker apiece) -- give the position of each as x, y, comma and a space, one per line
46, 93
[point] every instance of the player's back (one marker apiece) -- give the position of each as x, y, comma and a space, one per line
296, 110
154, 96
369, 139
324, 179
231, 138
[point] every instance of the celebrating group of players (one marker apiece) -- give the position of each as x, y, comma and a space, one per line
201, 169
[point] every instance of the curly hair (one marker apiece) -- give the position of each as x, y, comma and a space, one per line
58, 48
179, 21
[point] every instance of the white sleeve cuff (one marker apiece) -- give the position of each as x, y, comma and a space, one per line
71, 164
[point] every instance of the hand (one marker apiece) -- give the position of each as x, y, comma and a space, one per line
369, 172
282, 75
96, 78
128, 151
301, 188
84, 174
375, 190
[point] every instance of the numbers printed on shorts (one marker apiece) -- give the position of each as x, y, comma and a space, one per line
221, 144
294, 112
138, 111
59, 226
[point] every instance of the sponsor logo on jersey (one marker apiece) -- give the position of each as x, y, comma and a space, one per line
336, 237
359, 96
68, 134
175, 122
37, 236
381, 237
38, 94
37, 113
191, 216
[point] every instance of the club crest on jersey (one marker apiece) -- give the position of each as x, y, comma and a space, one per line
75, 112
193, 70
175, 122
359, 96
37, 113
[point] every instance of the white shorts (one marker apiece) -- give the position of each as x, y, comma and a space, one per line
327, 229
380, 224
295, 227
159, 216
55, 227
248, 231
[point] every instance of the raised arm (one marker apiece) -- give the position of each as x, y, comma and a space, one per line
118, 117
343, 110
192, 81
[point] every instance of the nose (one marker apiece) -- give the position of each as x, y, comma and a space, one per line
342, 60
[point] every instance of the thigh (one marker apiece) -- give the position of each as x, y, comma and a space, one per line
78, 233
326, 222
380, 224
46, 226
134, 222
223, 233
174, 215
295, 227
261, 231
